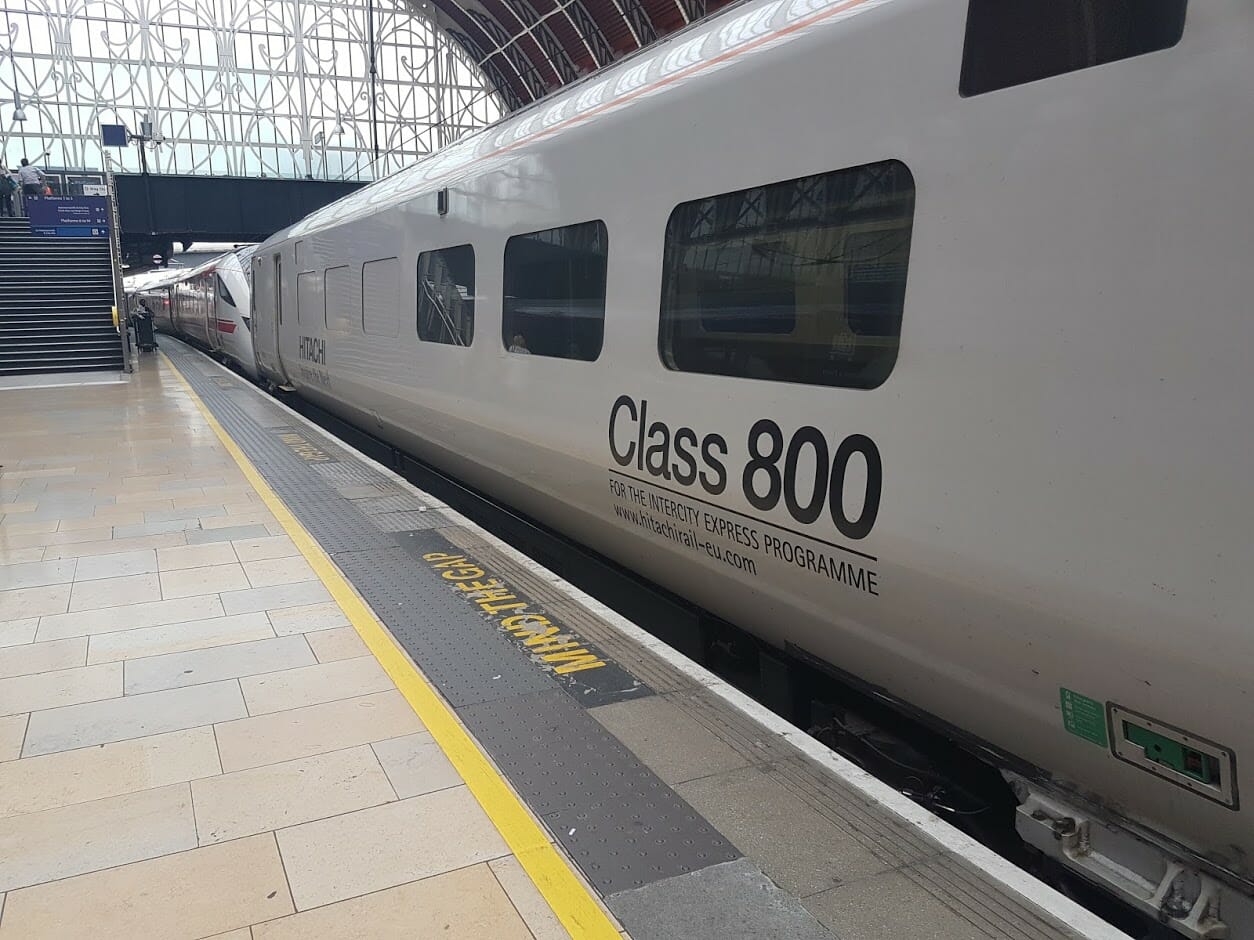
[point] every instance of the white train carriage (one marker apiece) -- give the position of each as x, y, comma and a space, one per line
209, 305
907, 334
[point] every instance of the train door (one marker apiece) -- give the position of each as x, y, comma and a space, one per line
276, 321
209, 298
264, 302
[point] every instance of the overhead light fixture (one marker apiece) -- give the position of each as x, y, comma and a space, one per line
19, 113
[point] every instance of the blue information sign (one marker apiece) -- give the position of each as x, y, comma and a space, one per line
113, 135
68, 216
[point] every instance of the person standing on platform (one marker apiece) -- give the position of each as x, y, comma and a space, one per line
33, 179
8, 186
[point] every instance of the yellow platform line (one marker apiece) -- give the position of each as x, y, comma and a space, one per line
551, 874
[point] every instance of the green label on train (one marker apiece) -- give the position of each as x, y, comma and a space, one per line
1084, 717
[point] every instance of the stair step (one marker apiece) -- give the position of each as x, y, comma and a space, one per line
52, 301
33, 314
49, 293
113, 365
18, 298
110, 367
64, 270
19, 321
45, 314
34, 321
15, 236
56, 303
14, 321
20, 317
49, 284
37, 328
9, 341
67, 358
58, 342
97, 290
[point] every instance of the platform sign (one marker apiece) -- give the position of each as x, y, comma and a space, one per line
68, 216
95, 189
113, 135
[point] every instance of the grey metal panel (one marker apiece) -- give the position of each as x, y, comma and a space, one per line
409, 521
356, 474
400, 503
622, 825
246, 400
732, 901
353, 490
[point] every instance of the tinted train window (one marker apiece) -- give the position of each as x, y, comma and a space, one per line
224, 293
380, 298
555, 292
1013, 42
446, 296
342, 299
310, 306
801, 281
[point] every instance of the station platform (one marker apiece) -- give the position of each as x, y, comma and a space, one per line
253, 684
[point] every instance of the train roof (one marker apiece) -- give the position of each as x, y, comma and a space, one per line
665, 65
168, 277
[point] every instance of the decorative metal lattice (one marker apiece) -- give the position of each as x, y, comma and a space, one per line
337, 89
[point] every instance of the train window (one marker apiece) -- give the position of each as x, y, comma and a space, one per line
278, 286
309, 303
555, 292
1013, 42
343, 303
446, 296
802, 281
380, 301
223, 293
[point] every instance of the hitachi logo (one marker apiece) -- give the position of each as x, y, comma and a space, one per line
313, 350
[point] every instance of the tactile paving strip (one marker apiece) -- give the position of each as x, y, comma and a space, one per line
462, 654
333, 521
621, 824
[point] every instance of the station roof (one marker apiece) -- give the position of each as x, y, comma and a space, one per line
528, 48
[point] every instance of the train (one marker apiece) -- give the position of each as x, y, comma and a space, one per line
908, 336
208, 305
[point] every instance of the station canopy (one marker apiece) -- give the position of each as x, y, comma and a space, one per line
528, 48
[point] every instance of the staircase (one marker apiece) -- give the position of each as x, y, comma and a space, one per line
56, 303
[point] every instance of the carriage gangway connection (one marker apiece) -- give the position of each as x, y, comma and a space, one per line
254, 684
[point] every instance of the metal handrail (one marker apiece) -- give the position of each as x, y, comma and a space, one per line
120, 318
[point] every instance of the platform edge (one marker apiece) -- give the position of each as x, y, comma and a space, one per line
570, 900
